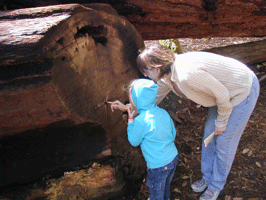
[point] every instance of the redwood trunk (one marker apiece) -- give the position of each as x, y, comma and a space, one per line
193, 19
62, 63
157, 19
59, 65
248, 53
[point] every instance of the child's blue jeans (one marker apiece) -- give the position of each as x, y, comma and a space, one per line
218, 156
159, 180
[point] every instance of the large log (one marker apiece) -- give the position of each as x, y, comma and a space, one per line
248, 53
193, 19
157, 19
63, 63
58, 67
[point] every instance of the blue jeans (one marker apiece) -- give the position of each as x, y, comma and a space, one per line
218, 156
159, 180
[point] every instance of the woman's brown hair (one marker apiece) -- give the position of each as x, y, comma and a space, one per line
156, 56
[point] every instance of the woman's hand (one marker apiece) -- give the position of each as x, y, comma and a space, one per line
117, 105
219, 130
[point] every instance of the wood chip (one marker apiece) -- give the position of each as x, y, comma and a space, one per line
177, 191
258, 164
185, 177
227, 197
245, 151
184, 184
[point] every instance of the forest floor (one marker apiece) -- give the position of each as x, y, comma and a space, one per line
247, 178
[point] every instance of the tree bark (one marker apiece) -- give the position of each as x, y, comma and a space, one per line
248, 53
62, 63
192, 19
59, 65
157, 19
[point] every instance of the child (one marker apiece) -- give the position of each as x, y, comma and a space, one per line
154, 130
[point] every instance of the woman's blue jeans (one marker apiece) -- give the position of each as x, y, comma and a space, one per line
159, 181
218, 156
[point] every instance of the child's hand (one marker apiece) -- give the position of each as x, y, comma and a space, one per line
118, 106
130, 113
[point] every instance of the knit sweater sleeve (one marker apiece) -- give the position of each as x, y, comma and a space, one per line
203, 82
134, 132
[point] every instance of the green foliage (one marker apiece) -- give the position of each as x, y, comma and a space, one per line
172, 44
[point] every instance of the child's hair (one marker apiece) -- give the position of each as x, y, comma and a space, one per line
156, 56
130, 85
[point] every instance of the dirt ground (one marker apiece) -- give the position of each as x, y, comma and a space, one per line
247, 178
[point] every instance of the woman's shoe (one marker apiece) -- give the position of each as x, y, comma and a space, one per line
210, 194
199, 186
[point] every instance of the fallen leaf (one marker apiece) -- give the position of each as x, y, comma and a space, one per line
184, 184
185, 109
258, 164
245, 151
177, 191
185, 177
198, 105
237, 198
186, 160
227, 197
249, 153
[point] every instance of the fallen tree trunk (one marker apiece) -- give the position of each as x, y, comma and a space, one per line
59, 65
248, 53
63, 63
198, 19
180, 19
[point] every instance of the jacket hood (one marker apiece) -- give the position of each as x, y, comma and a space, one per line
144, 93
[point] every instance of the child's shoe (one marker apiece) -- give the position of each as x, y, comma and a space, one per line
200, 185
210, 194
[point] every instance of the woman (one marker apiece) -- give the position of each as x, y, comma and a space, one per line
226, 86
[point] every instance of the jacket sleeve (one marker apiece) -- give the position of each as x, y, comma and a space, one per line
163, 90
135, 132
173, 129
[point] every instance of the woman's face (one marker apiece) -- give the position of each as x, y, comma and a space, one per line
153, 73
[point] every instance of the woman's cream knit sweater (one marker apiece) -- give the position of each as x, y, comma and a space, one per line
209, 80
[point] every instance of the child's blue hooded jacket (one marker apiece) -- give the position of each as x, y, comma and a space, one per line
153, 129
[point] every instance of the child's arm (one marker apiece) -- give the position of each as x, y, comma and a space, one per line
118, 105
173, 128
130, 115
134, 129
